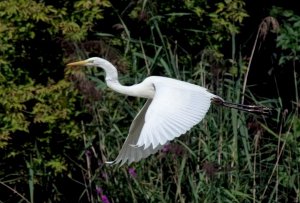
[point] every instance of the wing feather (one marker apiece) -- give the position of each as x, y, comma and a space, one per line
128, 153
173, 111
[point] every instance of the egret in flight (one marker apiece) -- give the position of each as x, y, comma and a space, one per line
172, 108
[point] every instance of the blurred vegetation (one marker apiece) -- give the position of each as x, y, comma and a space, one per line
58, 126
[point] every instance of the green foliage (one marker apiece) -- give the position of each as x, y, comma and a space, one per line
34, 118
289, 34
51, 104
288, 42
25, 24
227, 18
188, 23
19, 18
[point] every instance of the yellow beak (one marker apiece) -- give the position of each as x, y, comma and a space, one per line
78, 63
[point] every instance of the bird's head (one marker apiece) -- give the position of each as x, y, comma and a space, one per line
94, 61
110, 70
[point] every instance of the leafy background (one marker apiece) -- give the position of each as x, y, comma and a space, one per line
58, 126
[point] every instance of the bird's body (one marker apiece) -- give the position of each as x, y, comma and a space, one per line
173, 107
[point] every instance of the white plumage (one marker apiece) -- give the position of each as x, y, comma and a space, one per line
173, 107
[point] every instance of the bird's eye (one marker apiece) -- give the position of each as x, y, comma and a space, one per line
91, 61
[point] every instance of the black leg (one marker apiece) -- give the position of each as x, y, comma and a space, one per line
249, 108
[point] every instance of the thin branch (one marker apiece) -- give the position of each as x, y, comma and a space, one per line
15, 191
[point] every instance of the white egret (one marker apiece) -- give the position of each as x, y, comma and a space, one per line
173, 107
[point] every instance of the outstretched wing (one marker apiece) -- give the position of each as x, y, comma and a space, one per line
129, 152
176, 107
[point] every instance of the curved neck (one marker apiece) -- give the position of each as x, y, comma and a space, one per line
111, 72
112, 82
133, 90
111, 78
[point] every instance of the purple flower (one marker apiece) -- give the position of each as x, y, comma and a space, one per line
132, 172
166, 148
104, 199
